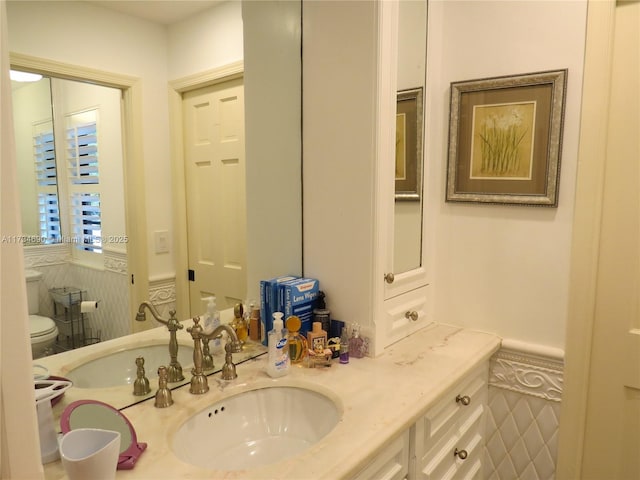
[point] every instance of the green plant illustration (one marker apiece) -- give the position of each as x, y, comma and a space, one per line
503, 140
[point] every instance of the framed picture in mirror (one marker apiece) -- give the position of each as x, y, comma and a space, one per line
409, 118
505, 139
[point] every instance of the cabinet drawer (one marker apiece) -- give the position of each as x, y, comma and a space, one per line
442, 462
392, 463
405, 314
459, 402
454, 424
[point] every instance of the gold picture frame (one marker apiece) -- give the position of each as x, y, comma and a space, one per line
505, 139
408, 161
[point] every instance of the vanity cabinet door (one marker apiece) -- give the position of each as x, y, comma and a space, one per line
392, 463
401, 272
448, 439
366, 237
404, 315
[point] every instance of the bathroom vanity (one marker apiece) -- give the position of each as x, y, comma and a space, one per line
415, 411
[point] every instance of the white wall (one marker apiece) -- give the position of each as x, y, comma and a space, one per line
502, 269
339, 110
211, 39
272, 37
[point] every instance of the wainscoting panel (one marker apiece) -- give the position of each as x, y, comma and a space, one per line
108, 286
525, 391
162, 294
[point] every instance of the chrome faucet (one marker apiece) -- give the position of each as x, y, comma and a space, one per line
173, 325
199, 382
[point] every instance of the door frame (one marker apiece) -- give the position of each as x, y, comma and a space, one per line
585, 246
177, 88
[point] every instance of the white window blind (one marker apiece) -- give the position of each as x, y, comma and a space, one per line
84, 180
44, 155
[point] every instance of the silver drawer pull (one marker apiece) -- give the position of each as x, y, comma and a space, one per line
464, 400
389, 277
412, 315
461, 454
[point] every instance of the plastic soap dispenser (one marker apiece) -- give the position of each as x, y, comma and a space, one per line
212, 320
278, 348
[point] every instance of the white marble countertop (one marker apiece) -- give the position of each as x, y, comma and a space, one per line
380, 399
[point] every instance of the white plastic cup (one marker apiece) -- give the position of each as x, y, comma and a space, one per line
90, 453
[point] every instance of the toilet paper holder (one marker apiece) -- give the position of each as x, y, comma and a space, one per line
88, 306
70, 306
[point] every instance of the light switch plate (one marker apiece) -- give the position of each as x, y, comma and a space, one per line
161, 238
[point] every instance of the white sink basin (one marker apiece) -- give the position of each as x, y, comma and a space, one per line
256, 428
119, 368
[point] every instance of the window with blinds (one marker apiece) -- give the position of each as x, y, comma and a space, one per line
84, 180
44, 154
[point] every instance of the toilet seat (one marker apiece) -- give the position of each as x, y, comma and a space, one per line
41, 326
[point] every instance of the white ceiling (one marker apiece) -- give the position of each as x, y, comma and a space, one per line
164, 12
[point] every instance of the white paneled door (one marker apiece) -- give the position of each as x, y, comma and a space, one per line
600, 419
216, 198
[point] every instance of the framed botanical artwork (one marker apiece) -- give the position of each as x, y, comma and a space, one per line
505, 139
409, 117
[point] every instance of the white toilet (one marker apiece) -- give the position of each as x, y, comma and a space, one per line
43, 329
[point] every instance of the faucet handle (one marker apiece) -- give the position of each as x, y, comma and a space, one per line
229, 368
174, 320
141, 383
196, 329
163, 395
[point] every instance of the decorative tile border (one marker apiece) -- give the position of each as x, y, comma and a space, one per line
115, 261
46, 255
162, 290
538, 375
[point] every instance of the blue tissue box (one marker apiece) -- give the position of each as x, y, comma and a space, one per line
298, 297
269, 302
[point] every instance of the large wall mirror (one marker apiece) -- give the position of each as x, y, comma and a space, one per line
409, 194
41, 30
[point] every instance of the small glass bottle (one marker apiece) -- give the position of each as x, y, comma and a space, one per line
317, 338
356, 342
344, 346
254, 322
321, 313
239, 323
297, 343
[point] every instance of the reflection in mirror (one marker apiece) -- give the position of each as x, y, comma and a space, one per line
48, 33
70, 175
65, 155
120, 368
412, 46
